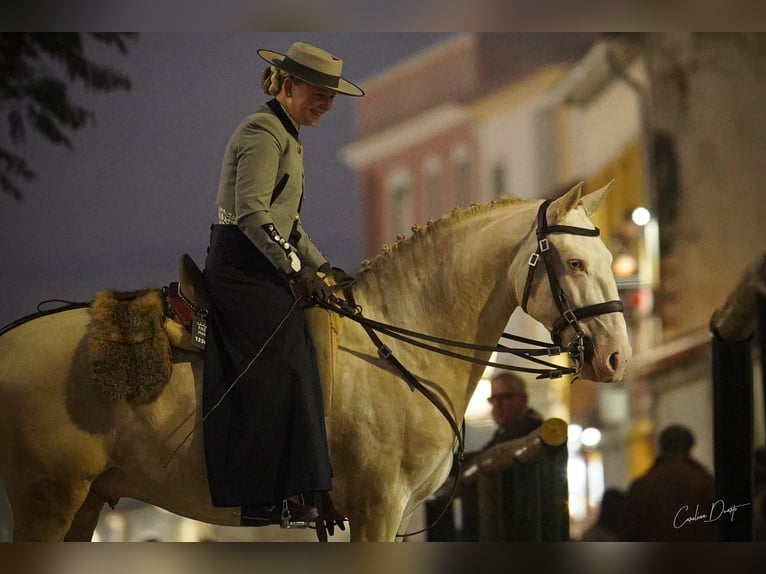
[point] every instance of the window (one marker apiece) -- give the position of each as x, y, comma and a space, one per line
498, 182
400, 208
461, 176
432, 174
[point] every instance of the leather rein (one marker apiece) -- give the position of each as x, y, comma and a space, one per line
568, 317
547, 370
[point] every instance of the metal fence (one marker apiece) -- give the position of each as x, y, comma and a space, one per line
735, 327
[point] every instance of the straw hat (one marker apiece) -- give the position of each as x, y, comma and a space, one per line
312, 65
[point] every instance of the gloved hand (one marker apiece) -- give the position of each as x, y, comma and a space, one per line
338, 275
312, 286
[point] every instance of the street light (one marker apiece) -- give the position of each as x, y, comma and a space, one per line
640, 216
590, 437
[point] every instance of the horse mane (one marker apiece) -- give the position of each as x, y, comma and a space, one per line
407, 247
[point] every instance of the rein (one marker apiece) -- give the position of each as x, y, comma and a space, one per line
348, 308
354, 312
568, 317
65, 306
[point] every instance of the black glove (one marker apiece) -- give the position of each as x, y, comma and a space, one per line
312, 286
339, 276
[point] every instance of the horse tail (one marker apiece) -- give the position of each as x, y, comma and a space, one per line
66, 306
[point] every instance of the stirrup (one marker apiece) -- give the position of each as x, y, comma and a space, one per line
287, 520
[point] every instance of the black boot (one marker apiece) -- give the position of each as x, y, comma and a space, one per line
286, 514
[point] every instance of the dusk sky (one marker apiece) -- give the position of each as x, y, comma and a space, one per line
139, 188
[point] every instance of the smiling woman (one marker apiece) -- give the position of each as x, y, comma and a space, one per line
258, 250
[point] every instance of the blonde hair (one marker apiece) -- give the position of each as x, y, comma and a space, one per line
272, 79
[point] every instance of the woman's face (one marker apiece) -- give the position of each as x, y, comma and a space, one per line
306, 102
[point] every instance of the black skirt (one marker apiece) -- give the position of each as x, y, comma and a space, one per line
266, 440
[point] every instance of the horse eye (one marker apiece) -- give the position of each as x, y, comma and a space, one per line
576, 264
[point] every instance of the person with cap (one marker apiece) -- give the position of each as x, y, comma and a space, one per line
265, 439
672, 500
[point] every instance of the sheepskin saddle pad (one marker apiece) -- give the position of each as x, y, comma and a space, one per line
128, 349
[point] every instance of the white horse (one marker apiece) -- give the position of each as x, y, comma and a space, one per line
65, 450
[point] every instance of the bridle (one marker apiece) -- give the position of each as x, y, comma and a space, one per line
568, 317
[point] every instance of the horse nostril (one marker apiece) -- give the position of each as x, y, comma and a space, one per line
614, 361
589, 348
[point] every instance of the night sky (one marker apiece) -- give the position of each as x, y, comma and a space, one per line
139, 188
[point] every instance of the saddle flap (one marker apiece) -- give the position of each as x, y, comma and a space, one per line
324, 329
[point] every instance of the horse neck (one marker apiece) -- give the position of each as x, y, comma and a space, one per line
451, 281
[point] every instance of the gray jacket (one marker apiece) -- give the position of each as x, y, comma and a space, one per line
261, 187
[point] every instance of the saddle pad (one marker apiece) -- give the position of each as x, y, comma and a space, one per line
128, 350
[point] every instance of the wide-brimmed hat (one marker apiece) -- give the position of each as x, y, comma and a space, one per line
312, 65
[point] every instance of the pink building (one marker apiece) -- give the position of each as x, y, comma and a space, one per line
417, 150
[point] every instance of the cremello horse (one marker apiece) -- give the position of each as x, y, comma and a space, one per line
64, 451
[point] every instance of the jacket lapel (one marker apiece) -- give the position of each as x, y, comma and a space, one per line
276, 107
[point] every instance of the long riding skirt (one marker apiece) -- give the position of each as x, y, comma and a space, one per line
266, 439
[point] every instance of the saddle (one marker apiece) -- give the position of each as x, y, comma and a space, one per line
188, 304
186, 310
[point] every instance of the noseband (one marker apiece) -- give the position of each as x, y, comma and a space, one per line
569, 316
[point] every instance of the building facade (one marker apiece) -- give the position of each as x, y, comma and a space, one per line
488, 115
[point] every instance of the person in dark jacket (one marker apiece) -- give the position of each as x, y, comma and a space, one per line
510, 408
672, 502
514, 419
265, 439
608, 526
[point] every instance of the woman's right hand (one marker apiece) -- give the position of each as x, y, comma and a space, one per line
308, 280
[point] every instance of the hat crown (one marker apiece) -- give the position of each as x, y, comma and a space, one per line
315, 58
312, 65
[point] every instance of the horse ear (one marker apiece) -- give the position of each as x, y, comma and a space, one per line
564, 204
593, 200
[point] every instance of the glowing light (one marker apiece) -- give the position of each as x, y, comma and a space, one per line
624, 265
641, 216
590, 437
574, 432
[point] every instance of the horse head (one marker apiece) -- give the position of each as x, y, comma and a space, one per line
567, 285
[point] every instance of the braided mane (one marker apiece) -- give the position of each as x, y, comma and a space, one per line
404, 246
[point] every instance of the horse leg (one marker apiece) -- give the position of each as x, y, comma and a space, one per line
86, 519
43, 510
376, 521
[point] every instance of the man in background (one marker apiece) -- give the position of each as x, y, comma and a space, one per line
667, 503
510, 408
514, 419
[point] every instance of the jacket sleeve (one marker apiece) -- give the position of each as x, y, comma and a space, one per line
258, 155
307, 250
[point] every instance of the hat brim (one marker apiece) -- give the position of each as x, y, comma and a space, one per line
344, 86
